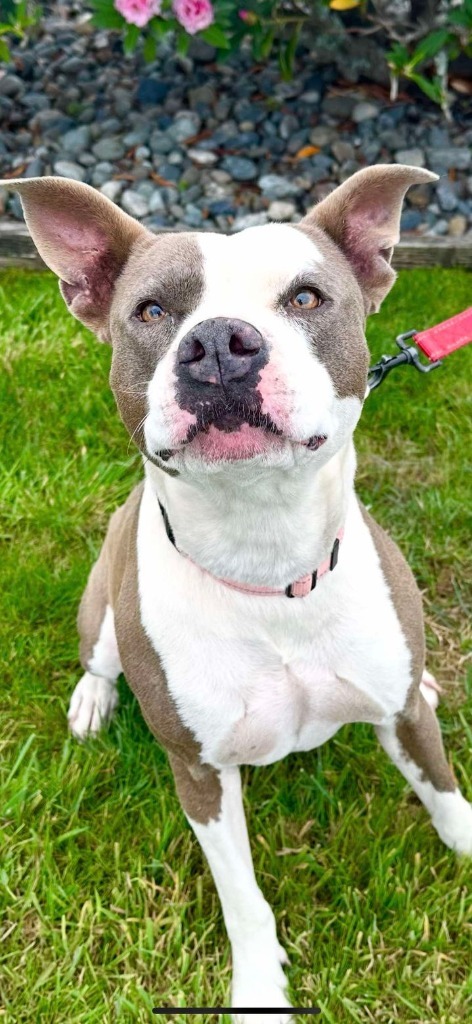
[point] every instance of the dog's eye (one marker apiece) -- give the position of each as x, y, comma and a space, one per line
150, 312
305, 299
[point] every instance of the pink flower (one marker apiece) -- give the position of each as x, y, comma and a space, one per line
194, 15
138, 12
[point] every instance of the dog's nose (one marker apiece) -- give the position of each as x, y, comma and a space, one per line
221, 350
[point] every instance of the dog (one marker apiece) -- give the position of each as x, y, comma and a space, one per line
252, 603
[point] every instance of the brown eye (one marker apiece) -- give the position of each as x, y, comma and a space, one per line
305, 299
151, 311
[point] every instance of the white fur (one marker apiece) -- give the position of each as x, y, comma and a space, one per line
95, 697
91, 706
258, 977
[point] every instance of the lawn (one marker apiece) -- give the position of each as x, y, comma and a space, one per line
108, 908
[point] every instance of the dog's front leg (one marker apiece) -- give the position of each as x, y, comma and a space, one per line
258, 977
413, 741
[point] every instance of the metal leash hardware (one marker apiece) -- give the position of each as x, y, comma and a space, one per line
409, 354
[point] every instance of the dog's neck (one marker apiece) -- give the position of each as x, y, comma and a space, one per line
267, 529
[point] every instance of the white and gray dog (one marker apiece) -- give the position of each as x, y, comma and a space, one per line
251, 601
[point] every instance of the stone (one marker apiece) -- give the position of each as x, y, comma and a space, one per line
249, 220
193, 215
457, 225
273, 186
364, 111
343, 150
240, 168
142, 153
156, 202
322, 136
134, 203
221, 208
413, 157
280, 209
202, 95
419, 196
288, 126
458, 158
137, 137
76, 140
11, 85
186, 124
35, 169
410, 220
340, 107
202, 157
221, 177
441, 227
152, 91
112, 190
446, 195
68, 169
111, 148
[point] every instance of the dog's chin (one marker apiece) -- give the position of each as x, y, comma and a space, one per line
214, 446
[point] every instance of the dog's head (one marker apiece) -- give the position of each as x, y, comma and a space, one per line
229, 348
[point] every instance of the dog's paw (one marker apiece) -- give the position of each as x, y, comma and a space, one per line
430, 689
453, 822
92, 705
260, 984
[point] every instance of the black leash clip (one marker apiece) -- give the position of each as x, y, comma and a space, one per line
408, 354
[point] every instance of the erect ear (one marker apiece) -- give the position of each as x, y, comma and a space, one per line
84, 238
363, 217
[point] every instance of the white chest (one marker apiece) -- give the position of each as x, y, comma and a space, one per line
255, 678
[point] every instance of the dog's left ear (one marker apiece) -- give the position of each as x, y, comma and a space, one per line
84, 238
363, 217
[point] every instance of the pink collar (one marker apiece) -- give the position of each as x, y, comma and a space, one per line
299, 588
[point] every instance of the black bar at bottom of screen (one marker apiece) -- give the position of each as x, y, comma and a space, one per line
313, 1010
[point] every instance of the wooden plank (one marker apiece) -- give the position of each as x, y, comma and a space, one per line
433, 252
17, 250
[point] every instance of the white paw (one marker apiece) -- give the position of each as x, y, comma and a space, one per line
452, 820
259, 982
430, 689
92, 705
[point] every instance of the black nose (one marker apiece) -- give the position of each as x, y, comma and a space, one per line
221, 350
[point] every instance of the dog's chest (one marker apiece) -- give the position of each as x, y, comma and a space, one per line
256, 678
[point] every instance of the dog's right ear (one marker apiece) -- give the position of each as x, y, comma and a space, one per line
84, 238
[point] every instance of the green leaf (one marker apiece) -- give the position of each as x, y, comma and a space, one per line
4, 51
107, 17
183, 43
398, 57
149, 48
432, 89
132, 35
215, 36
430, 46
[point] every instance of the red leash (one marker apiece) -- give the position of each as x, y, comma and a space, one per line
435, 342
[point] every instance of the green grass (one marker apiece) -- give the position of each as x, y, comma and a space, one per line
107, 905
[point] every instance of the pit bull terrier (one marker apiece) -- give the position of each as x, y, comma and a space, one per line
252, 603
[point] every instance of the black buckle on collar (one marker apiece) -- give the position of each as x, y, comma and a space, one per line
314, 577
334, 555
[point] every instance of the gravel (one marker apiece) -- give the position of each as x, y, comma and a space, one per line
187, 142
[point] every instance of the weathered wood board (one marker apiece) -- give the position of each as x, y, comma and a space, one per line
17, 250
